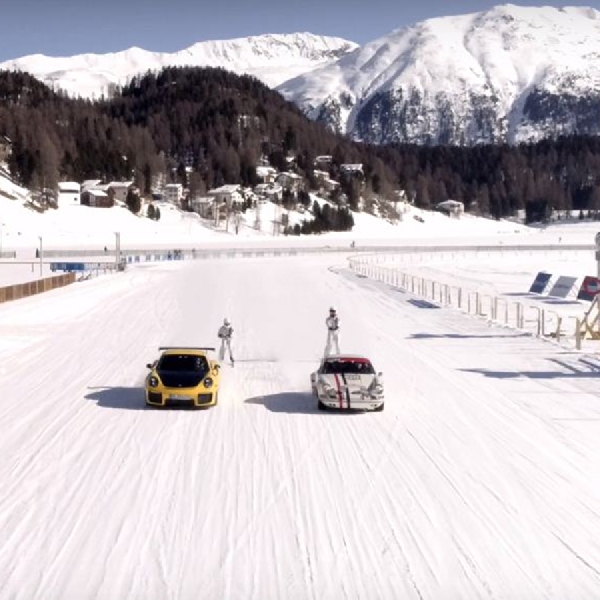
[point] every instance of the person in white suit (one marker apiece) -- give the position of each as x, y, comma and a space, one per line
225, 334
333, 332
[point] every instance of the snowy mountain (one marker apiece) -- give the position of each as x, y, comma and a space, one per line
510, 74
270, 58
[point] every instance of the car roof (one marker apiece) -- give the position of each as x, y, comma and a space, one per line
346, 358
185, 351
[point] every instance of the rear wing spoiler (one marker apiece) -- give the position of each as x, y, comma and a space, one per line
185, 348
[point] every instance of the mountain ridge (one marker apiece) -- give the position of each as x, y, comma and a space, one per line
462, 79
272, 58
509, 74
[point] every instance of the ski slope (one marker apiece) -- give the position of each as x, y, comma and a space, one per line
479, 480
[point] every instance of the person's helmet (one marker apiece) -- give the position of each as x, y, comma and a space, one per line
225, 321
332, 310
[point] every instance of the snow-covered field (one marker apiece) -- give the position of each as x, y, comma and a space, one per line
479, 480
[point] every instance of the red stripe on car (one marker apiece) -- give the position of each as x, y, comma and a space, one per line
339, 389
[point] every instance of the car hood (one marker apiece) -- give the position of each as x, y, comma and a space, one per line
347, 381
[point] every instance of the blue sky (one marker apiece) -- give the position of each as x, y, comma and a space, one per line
68, 27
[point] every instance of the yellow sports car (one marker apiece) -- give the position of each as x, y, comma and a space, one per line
183, 377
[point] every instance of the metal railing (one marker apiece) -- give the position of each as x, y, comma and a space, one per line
536, 320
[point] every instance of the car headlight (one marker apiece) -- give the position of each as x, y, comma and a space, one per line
330, 391
153, 381
377, 389
208, 382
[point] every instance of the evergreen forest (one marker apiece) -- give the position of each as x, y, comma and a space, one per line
206, 127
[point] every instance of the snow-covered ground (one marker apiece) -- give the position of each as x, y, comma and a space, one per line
479, 480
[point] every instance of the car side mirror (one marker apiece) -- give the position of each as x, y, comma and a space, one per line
380, 374
149, 366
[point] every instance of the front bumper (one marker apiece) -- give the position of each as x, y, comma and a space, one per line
353, 401
180, 398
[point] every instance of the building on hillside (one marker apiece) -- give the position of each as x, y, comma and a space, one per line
224, 200
88, 184
270, 192
325, 183
355, 169
96, 197
173, 193
119, 190
203, 205
290, 181
266, 174
323, 162
452, 208
69, 193
226, 194
5, 148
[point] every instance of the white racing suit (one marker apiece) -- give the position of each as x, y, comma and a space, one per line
333, 335
225, 333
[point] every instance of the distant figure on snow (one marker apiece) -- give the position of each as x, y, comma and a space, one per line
225, 334
333, 332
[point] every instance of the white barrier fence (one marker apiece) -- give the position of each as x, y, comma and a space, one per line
536, 320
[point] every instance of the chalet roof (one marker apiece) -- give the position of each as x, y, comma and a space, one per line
274, 189
352, 167
262, 171
450, 204
68, 185
97, 193
91, 183
288, 175
224, 189
120, 184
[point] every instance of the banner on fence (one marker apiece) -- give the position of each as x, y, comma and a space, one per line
562, 287
71, 267
589, 288
540, 282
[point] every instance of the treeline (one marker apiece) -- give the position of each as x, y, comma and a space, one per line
200, 127
208, 127
497, 181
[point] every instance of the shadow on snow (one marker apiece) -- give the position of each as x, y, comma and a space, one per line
296, 403
577, 369
128, 398
463, 336
287, 402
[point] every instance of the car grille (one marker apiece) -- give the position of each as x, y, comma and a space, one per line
180, 403
204, 398
155, 397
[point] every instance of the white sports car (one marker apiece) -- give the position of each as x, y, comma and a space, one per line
347, 382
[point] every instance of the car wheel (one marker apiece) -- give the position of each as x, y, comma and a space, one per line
379, 408
322, 406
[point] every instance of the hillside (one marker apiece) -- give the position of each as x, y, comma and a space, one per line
207, 127
271, 58
506, 75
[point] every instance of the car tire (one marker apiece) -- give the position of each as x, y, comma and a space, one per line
379, 408
322, 406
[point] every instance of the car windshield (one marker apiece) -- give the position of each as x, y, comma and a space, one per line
182, 363
348, 366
